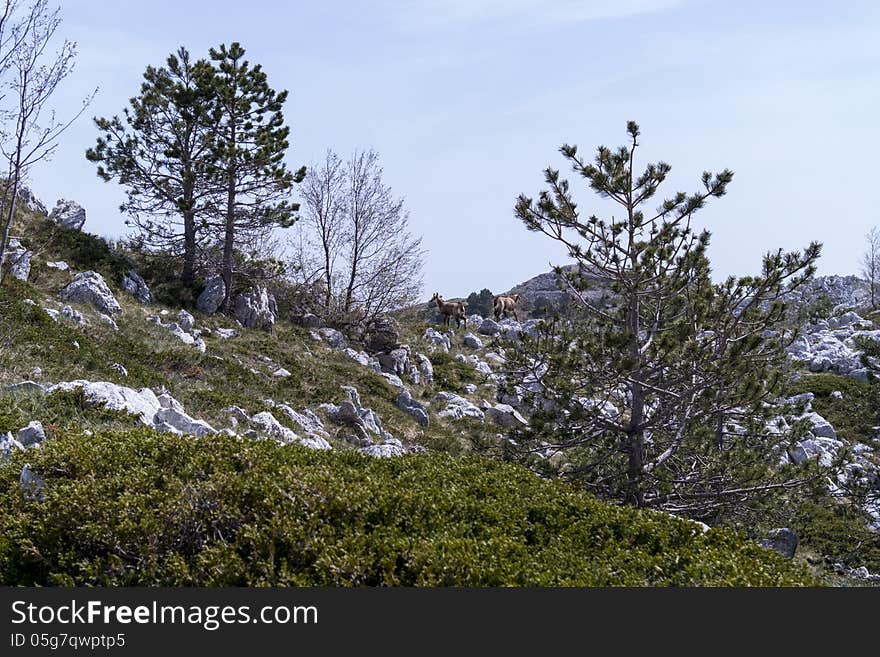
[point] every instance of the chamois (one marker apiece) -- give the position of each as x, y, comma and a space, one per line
504, 304
451, 309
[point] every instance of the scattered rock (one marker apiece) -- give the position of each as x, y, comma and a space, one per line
281, 373
119, 368
89, 287
73, 315
273, 428
414, 409
212, 296
472, 341
68, 214
226, 333
32, 434
437, 339
386, 450
255, 309
137, 287
333, 337
186, 321
361, 357
783, 540
108, 320
171, 417
457, 407
59, 264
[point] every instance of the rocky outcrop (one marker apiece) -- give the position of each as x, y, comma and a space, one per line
832, 345
68, 214
137, 287
389, 449
89, 287
212, 296
163, 413
268, 424
30, 200
426, 369
351, 414
17, 260
489, 327
256, 309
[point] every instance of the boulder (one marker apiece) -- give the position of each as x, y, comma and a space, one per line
333, 337
225, 333
472, 341
68, 214
255, 309
58, 264
212, 296
386, 450
137, 287
32, 434
361, 357
411, 407
783, 540
89, 287
382, 334
504, 415
310, 320
31, 484
457, 408
396, 362
425, 368
186, 321
17, 260
489, 327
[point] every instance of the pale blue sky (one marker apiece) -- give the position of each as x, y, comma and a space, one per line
468, 100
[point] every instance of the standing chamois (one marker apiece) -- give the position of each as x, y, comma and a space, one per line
504, 304
451, 309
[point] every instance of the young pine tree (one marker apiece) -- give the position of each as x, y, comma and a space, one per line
661, 398
252, 181
160, 151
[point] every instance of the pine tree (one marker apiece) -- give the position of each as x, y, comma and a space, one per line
248, 170
160, 152
661, 398
481, 303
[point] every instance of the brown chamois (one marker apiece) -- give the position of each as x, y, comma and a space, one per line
504, 304
451, 309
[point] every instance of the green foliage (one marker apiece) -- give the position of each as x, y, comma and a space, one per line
481, 304
451, 374
643, 391
139, 508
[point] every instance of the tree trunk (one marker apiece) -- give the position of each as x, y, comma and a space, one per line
9, 200
229, 239
189, 248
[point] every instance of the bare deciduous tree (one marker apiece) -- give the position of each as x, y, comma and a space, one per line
357, 241
32, 81
871, 263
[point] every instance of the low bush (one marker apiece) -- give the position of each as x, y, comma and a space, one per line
141, 508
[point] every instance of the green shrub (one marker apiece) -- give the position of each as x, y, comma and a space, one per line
451, 374
855, 414
141, 508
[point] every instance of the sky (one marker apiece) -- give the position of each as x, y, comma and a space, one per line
467, 101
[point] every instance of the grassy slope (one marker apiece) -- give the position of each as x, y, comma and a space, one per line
235, 372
